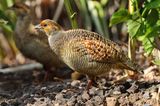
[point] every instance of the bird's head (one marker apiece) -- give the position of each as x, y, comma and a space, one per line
49, 27
21, 9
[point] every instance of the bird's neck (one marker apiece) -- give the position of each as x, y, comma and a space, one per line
23, 23
55, 40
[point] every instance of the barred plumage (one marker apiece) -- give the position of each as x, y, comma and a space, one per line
85, 51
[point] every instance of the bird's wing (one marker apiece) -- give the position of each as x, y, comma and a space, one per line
97, 48
100, 51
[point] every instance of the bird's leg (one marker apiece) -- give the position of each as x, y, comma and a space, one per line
90, 82
49, 75
46, 76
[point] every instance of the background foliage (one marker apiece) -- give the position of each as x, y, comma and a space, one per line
143, 24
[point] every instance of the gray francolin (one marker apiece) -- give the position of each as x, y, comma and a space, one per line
33, 44
84, 51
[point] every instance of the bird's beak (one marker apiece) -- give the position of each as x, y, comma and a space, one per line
37, 26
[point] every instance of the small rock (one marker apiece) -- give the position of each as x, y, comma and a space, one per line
79, 98
146, 95
68, 83
89, 103
101, 93
4, 104
85, 96
64, 91
40, 102
111, 101
133, 88
133, 98
59, 96
116, 92
98, 100
82, 85
146, 105
26, 95
75, 83
71, 101
107, 93
93, 91
43, 88
80, 104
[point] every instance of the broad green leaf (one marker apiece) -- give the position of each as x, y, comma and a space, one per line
158, 23
120, 16
153, 4
148, 45
154, 31
135, 28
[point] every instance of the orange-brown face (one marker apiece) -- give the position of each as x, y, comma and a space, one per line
48, 26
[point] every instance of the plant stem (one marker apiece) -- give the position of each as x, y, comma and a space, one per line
71, 13
131, 42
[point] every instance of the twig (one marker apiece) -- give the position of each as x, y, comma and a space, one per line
149, 69
26, 67
131, 42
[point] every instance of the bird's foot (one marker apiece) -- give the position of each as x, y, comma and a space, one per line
89, 85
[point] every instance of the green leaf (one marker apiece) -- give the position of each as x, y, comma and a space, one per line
120, 16
152, 17
154, 31
104, 2
148, 45
4, 17
2, 21
153, 4
135, 28
156, 62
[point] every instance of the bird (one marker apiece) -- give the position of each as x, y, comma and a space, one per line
33, 44
87, 52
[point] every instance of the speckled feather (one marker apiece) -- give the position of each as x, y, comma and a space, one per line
89, 53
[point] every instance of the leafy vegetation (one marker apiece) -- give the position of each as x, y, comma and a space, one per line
7, 24
143, 24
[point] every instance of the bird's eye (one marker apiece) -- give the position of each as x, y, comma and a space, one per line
45, 25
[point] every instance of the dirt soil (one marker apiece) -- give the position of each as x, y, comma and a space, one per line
20, 89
